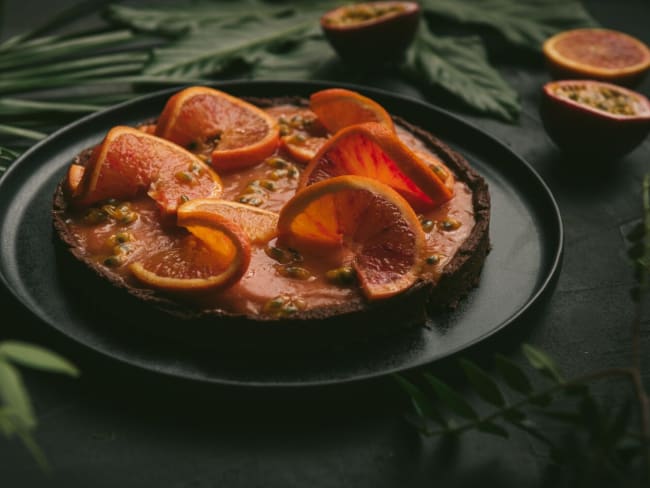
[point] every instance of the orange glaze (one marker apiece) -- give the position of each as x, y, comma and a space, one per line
262, 282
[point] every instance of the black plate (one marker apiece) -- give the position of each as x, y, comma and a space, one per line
526, 235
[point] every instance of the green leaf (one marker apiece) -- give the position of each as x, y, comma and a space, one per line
492, 428
532, 429
15, 396
422, 405
524, 23
36, 357
7, 426
174, 20
542, 362
485, 386
513, 375
196, 55
460, 66
454, 400
17, 106
34, 449
20, 132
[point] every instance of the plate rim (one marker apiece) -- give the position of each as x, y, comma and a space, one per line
554, 264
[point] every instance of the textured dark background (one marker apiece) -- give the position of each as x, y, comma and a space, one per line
118, 426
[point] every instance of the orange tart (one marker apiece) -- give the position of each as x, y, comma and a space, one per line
277, 212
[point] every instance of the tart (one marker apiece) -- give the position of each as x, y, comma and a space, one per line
275, 219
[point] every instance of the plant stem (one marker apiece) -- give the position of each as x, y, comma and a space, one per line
597, 375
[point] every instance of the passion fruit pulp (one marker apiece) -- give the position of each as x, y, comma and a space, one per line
373, 32
599, 54
593, 119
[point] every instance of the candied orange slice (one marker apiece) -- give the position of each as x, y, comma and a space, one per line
215, 255
259, 225
129, 161
337, 108
372, 227
374, 151
243, 134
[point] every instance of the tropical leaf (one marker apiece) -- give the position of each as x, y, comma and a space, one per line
485, 386
542, 362
453, 399
459, 65
15, 396
513, 375
36, 357
524, 23
20, 132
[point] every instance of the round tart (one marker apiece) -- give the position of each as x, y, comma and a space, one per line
306, 235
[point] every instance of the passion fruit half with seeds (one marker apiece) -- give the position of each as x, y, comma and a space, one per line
593, 119
372, 32
599, 54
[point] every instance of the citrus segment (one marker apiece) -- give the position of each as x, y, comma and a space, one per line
601, 54
370, 224
260, 226
337, 108
129, 161
242, 135
215, 255
74, 177
374, 151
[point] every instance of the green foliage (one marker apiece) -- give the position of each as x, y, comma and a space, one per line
16, 412
524, 23
460, 66
606, 442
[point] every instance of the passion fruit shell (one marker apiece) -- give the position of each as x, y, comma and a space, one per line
372, 32
599, 54
593, 119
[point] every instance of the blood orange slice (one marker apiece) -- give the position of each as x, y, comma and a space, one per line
129, 161
367, 222
243, 135
374, 151
215, 255
600, 54
259, 225
337, 108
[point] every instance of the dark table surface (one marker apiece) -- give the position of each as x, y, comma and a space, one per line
120, 426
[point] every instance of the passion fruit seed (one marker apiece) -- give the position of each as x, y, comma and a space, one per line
278, 174
121, 213
283, 305
122, 248
113, 261
427, 224
297, 139
119, 238
345, 275
284, 256
362, 13
95, 216
277, 162
450, 224
295, 272
432, 260
439, 171
606, 99
252, 200
183, 199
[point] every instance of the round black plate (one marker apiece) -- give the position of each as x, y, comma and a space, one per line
525, 231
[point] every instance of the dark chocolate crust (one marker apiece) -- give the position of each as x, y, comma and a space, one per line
353, 320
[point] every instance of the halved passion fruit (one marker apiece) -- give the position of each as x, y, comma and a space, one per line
371, 32
599, 54
594, 119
